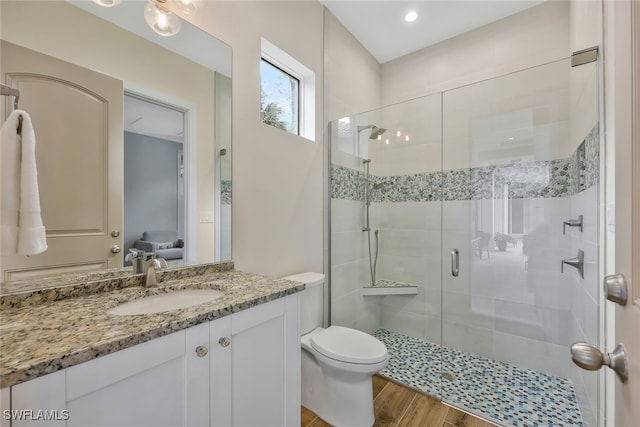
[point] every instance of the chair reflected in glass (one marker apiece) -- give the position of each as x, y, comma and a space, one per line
481, 244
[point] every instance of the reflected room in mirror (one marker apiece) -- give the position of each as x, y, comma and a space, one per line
133, 134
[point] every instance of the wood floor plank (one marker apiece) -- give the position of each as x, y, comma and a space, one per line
319, 422
378, 384
391, 404
424, 411
306, 417
457, 418
399, 406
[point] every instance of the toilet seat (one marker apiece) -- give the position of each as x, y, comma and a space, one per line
349, 345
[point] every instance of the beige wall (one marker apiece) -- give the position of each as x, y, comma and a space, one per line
352, 74
68, 33
533, 37
277, 176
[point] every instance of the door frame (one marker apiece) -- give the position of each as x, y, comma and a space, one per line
190, 156
622, 98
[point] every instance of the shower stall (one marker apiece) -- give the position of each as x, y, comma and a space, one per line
456, 228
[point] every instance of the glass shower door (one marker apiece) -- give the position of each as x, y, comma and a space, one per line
520, 158
386, 197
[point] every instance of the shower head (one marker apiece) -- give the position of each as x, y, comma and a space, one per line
375, 130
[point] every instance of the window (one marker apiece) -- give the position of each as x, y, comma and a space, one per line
279, 98
287, 96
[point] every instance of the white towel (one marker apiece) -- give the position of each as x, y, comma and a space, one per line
22, 229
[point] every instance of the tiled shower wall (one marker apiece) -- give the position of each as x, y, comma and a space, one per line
520, 310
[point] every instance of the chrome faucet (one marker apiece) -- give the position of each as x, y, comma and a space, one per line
136, 257
152, 264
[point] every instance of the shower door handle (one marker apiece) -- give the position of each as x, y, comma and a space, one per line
455, 263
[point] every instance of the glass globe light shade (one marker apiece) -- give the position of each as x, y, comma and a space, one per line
107, 3
187, 6
161, 20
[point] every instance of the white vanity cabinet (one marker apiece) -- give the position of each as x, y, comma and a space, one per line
241, 370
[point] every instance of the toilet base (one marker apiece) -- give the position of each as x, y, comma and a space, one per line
339, 397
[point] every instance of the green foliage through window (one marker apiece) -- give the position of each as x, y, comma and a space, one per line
279, 98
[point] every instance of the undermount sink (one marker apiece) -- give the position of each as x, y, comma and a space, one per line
166, 302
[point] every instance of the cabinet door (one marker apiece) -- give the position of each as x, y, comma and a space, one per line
265, 365
152, 384
38, 402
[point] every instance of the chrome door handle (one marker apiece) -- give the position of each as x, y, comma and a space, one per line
615, 288
455, 263
590, 358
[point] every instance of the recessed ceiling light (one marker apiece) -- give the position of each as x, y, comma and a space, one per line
411, 16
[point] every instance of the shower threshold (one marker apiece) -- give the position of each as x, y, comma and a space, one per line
390, 287
502, 393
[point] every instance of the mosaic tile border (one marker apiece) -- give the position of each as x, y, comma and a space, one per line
225, 192
545, 179
498, 391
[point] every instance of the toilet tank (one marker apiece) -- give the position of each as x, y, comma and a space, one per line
311, 299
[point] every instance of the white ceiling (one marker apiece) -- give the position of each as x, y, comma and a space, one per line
151, 119
380, 26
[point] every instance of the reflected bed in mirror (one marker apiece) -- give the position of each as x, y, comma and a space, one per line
112, 168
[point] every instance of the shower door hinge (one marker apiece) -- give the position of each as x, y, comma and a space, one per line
584, 56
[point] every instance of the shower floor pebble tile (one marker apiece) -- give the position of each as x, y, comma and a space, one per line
504, 393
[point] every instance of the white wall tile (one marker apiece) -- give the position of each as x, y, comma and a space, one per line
356, 311
348, 246
465, 309
348, 277
584, 101
414, 270
346, 215
468, 338
541, 324
404, 322
411, 215
532, 354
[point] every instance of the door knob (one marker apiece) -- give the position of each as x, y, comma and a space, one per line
615, 288
115, 249
224, 341
590, 358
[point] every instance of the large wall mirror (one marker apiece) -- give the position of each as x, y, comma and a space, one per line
133, 134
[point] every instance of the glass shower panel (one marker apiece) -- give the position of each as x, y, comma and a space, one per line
386, 236
514, 151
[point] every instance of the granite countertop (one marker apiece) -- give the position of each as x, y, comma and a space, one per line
45, 333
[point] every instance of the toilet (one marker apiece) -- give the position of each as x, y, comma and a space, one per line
337, 363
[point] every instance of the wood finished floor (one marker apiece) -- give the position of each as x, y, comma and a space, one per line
398, 406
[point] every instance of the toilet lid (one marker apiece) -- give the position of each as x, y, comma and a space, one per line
349, 345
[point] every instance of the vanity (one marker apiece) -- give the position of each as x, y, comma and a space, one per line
231, 361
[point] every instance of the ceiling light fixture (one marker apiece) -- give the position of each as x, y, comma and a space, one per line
157, 16
187, 6
160, 19
411, 16
107, 3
